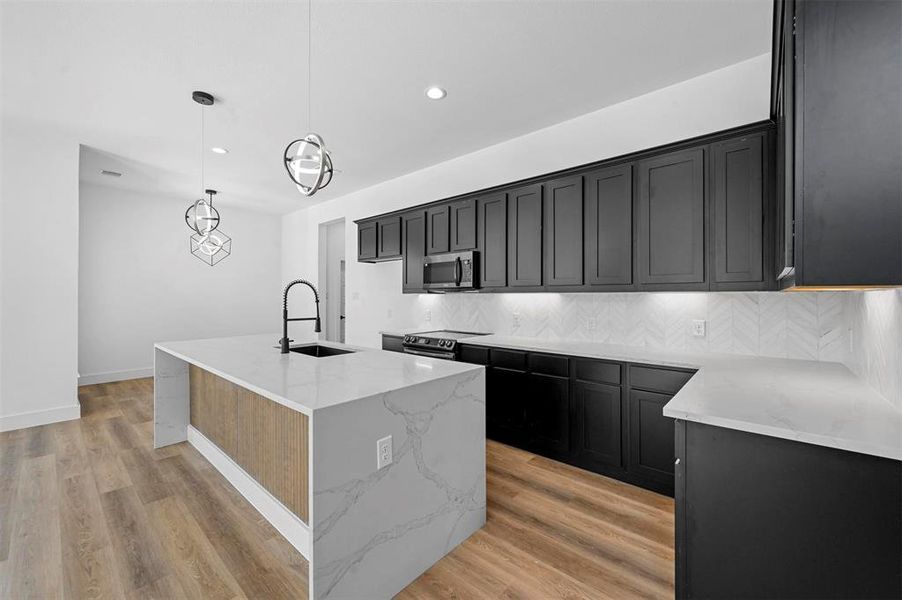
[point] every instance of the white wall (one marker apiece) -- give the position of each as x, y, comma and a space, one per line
876, 353
138, 284
38, 276
729, 97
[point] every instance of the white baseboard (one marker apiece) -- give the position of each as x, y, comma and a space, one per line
286, 522
40, 417
114, 376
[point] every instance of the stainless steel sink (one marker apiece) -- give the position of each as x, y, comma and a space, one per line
318, 351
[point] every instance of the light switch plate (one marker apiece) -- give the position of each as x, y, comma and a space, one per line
383, 452
516, 318
698, 328
591, 324
428, 315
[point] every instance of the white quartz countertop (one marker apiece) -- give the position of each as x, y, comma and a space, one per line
815, 402
306, 383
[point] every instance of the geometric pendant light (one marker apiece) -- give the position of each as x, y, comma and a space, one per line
207, 242
306, 159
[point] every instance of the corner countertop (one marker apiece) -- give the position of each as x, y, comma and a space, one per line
818, 403
303, 382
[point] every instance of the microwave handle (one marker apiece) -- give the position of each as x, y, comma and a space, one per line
458, 271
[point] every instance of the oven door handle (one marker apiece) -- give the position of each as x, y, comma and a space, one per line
444, 355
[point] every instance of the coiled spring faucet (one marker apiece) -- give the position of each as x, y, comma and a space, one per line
316, 327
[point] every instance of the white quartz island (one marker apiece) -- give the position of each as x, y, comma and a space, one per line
368, 532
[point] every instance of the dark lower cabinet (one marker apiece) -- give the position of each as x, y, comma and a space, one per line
505, 408
413, 246
651, 436
763, 517
393, 343
547, 399
597, 423
492, 240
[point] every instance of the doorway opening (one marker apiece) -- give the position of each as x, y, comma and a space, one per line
332, 279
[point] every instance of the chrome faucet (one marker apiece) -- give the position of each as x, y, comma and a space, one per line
316, 327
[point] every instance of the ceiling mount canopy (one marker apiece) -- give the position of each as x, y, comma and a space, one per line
306, 159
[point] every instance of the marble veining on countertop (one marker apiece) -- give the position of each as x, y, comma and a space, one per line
821, 403
303, 382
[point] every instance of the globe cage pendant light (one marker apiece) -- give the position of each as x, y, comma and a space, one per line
207, 242
306, 159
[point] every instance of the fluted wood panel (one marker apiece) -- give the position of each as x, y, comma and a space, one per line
266, 439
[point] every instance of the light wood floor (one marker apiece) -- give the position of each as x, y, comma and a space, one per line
88, 509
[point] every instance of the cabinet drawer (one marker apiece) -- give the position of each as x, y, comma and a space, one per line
549, 364
659, 380
392, 343
599, 371
509, 359
474, 354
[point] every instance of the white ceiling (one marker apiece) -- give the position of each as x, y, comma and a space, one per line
118, 76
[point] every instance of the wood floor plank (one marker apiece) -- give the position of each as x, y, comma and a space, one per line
145, 475
71, 456
198, 567
138, 556
12, 445
165, 588
109, 472
35, 557
121, 433
86, 549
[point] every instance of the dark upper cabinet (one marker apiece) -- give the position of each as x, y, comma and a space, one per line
651, 436
597, 423
846, 142
609, 226
564, 231
524, 245
413, 243
366, 241
671, 221
738, 202
389, 238
463, 225
437, 229
492, 240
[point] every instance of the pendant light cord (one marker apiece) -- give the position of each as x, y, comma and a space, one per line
309, 57
202, 169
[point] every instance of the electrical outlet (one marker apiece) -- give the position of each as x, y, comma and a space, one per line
428, 315
591, 324
383, 452
515, 317
698, 328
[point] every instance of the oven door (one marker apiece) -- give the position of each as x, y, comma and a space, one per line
449, 271
431, 354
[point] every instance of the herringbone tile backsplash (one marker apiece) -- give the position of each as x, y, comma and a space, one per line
861, 329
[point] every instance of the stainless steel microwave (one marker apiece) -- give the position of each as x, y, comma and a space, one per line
451, 271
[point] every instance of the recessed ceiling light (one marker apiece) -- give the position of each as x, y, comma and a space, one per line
110, 173
219, 150
435, 93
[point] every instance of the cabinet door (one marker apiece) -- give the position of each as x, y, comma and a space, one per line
492, 228
548, 413
389, 238
651, 436
505, 408
437, 226
597, 430
524, 248
609, 226
564, 231
413, 242
366, 241
671, 213
737, 209
463, 225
